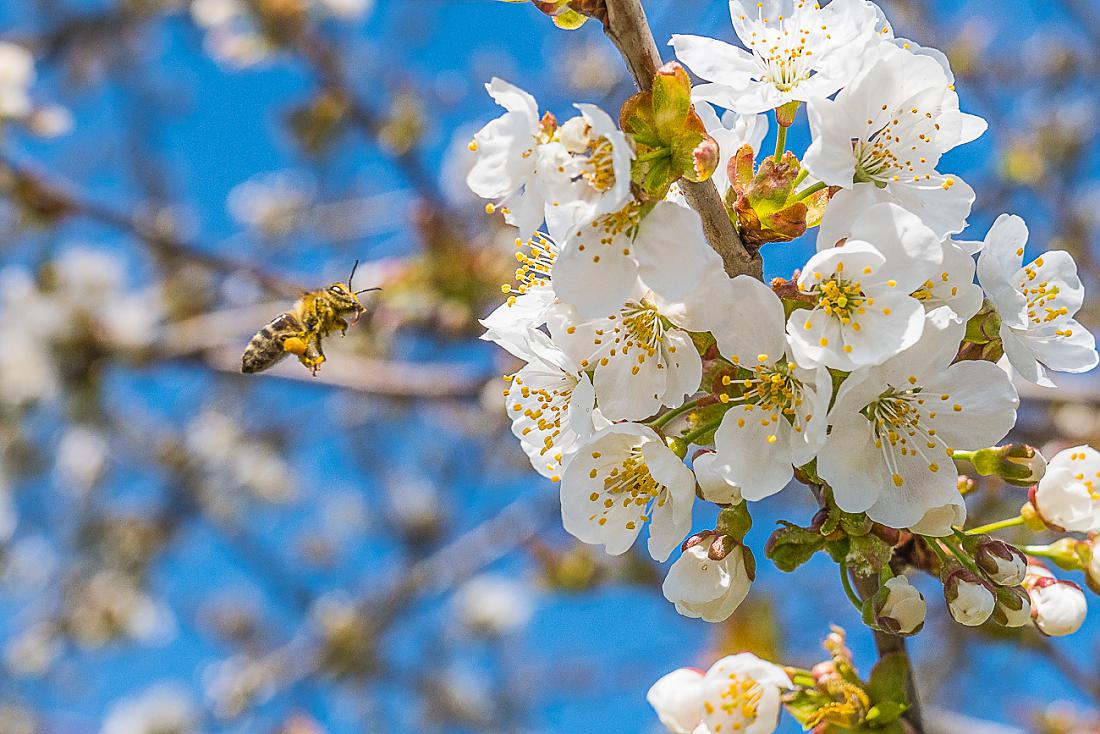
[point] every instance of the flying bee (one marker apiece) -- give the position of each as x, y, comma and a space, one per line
300, 330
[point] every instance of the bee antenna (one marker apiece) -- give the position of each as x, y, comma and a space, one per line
353, 269
367, 290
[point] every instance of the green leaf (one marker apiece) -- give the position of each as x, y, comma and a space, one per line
868, 554
889, 679
790, 546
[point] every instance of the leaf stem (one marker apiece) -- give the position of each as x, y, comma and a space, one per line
780, 143
689, 438
999, 525
809, 191
846, 582
675, 412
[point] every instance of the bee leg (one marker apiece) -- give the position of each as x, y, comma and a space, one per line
314, 356
342, 326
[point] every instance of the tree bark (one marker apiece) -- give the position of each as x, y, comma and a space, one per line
626, 25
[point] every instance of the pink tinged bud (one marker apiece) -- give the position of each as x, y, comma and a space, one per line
1004, 564
678, 700
1013, 607
702, 587
705, 157
969, 598
902, 608
1057, 606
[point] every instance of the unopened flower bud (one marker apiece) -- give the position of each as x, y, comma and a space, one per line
1004, 564
1069, 553
678, 700
702, 587
1016, 463
1057, 606
734, 521
898, 607
1065, 497
1013, 607
969, 599
720, 547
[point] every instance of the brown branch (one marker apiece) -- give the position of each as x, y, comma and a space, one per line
628, 29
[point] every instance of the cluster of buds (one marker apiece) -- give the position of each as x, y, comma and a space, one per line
991, 587
1017, 464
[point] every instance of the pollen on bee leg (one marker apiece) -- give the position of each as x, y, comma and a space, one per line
295, 345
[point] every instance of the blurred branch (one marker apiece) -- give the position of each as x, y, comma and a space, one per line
628, 29
54, 197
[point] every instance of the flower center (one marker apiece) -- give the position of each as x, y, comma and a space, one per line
600, 171
902, 421
900, 149
616, 229
544, 407
740, 699
534, 265
1042, 298
773, 389
627, 484
841, 298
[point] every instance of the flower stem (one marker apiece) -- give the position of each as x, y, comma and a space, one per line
809, 191
848, 590
702, 430
780, 142
668, 416
800, 177
958, 553
999, 525
1040, 550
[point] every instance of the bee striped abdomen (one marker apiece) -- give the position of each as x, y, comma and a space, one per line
265, 349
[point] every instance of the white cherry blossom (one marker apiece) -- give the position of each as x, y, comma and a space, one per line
941, 521
603, 261
677, 697
517, 162
895, 426
621, 479
550, 401
742, 693
864, 312
778, 419
642, 354
1068, 495
797, 51
1058, 607
883, 136
529, 301
1036, 304
702, 587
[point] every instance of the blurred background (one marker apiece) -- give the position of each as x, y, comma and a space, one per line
185, 549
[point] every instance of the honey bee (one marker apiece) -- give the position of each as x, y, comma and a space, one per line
300, 330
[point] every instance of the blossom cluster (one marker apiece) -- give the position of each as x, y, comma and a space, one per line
879, 369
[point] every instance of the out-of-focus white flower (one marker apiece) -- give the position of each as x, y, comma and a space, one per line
348, 9
895, 426
1058, 607
881, 139
213, 13
414, 503
1036, 304
32, 652
28, 372
969, 598
798, 51
51, 121
742, 693
903, 609
109, 604
620, 480
236, 684
80, 459
779, 421
493, 605
30, 564
677, 697
702, 587
1068, 495
165, 708
16, 77
272, 204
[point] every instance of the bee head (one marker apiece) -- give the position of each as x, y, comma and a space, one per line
343, 299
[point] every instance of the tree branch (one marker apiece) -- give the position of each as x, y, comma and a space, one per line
626, 25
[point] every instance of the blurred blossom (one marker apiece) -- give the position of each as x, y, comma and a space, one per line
229, 459
458, 160
165, 708
51, 121
17, 75
29, 565
32, 652
1076, 420
414, 504
231, 35
80, 459
233, 686
272, 204
493, 605
347, 636
109, 605
465, 693
348, 9
593, 68
16, 720
344, 515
